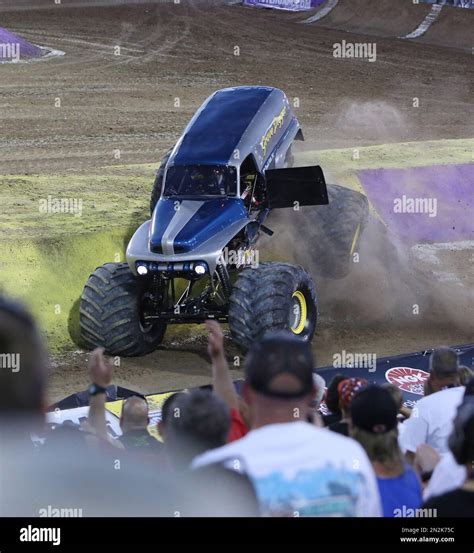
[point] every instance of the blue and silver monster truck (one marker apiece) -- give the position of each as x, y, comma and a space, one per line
195, 258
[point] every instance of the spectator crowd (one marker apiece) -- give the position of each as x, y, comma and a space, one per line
267, 452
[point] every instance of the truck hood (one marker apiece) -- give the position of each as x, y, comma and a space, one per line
181, 226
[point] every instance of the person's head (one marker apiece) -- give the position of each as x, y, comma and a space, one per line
23, 364
279, 383
444, 369
465, 375
332, 394
395, 392
134, 414
373, 423
347, 389
199, 421
167, 413
320, 389
461, 440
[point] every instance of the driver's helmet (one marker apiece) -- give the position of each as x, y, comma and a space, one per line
219, 180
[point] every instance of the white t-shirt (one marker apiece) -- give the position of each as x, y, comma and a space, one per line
431, 421
301, 470
447, 476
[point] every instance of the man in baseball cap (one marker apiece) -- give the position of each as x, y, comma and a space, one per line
374, 410
444, 370
284, 454
280, 366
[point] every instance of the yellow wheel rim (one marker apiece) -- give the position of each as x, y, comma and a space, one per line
300, 312
355, 239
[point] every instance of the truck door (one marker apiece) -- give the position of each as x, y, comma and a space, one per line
296, 186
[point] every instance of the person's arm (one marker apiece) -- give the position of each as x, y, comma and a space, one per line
221, 379
100, 371
425, 461
405, 411
414, 434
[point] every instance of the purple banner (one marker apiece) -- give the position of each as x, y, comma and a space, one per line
424, 204
287, 5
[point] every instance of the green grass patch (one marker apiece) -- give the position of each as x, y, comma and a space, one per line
49, 277
106, 201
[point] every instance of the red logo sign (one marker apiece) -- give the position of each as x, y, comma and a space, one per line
407, 379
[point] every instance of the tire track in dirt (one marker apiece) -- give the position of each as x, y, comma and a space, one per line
323, 12
426, 23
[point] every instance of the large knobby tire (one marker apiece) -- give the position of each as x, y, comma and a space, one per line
158, 184
272, 297
110, 313
331, 232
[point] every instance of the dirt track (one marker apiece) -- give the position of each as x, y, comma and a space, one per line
453, 27
185, 52
375, 17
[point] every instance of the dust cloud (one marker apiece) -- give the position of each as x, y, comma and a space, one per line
391, 283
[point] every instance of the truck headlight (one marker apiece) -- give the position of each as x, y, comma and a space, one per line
200, 268
142, 269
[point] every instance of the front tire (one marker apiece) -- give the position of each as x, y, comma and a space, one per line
111, 313
272, 297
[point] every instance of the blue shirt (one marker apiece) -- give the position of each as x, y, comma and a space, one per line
400, 495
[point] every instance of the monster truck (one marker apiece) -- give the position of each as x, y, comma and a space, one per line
196, 258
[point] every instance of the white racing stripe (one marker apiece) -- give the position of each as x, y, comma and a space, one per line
426, 23
326, 10
187, 210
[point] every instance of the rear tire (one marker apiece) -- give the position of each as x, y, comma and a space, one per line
272, 297
158, 184
110, 313
334, 231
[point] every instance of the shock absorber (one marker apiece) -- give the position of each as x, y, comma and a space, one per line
224, 280
157, 290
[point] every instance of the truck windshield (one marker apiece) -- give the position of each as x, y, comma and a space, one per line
200, 180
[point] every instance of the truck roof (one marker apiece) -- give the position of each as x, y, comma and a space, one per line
244, 119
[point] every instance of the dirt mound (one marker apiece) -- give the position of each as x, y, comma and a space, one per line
398, 18
453, 28
390, 18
